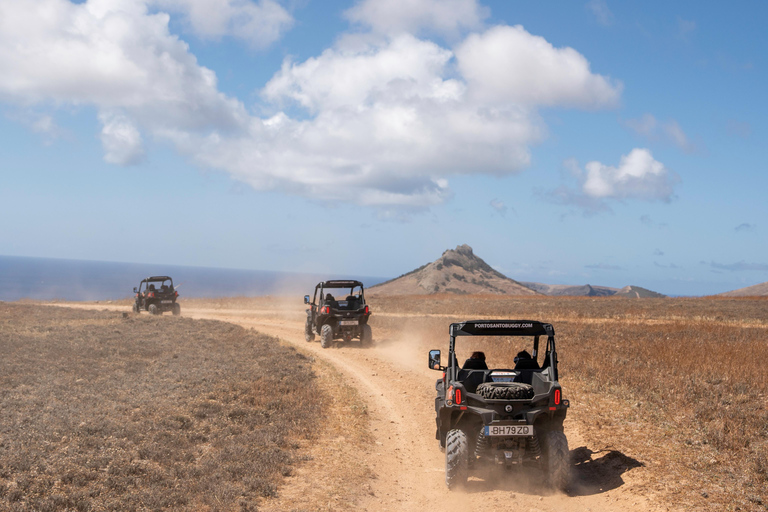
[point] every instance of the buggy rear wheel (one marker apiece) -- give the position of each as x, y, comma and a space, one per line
326, 336
366, 337
456, 459
176, 309
135, 307
153, 309
556, 458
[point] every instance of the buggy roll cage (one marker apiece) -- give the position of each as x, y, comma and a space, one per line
502, 328
351, 284
156, 278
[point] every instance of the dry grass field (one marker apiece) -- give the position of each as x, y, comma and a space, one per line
680, 384
668, 407
105, 411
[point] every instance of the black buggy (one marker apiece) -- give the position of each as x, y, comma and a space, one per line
338, 312
156, 295
511, 414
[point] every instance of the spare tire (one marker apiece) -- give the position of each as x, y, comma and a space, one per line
505, 391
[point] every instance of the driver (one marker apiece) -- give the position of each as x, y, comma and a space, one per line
475, 362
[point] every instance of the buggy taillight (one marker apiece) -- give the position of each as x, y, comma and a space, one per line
175, 294
367, 310
325, 310
458, 396
151, 294
557, 397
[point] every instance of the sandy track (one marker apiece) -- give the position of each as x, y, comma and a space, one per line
405, 458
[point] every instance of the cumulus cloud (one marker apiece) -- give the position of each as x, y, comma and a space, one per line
414, 16
260, 23
111, 55
508, 64
653, 130
637, 177
121, 140
382, 120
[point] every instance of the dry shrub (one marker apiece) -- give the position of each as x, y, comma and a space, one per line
104, 412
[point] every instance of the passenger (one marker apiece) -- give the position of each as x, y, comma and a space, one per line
475, 362
524, 361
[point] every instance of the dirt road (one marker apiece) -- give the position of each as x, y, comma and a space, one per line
405, 459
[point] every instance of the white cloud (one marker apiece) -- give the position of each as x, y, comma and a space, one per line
638, 176
653, 130
260, 23
381, 120
121, 140
413, 16
601, 11
508, 64
500, 206
111, 55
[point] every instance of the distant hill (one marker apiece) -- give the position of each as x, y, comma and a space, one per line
588, 290
750, 291
457, 271
635, 292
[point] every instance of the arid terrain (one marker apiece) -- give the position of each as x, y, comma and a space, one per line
668, 404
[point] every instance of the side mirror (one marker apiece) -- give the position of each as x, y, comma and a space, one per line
434, 360
135, 290
306, 299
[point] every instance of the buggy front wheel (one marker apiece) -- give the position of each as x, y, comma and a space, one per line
326, 336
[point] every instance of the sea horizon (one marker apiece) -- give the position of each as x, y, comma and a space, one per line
35, 278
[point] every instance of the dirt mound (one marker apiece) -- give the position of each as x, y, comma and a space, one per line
758, 290
458, 271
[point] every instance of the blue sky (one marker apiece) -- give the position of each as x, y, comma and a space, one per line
599, 142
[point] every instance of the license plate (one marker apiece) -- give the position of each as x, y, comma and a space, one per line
509, 430
166, 301
348, 322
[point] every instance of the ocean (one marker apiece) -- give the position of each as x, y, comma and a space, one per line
77, 280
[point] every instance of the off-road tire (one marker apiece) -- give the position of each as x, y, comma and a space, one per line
153, 310
505, 391
135, 307
366, 337
176, 309
326, 336
309, 334
456, 459
556, 459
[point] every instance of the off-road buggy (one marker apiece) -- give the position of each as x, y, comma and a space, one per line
338, 312
156, 295
511, 414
